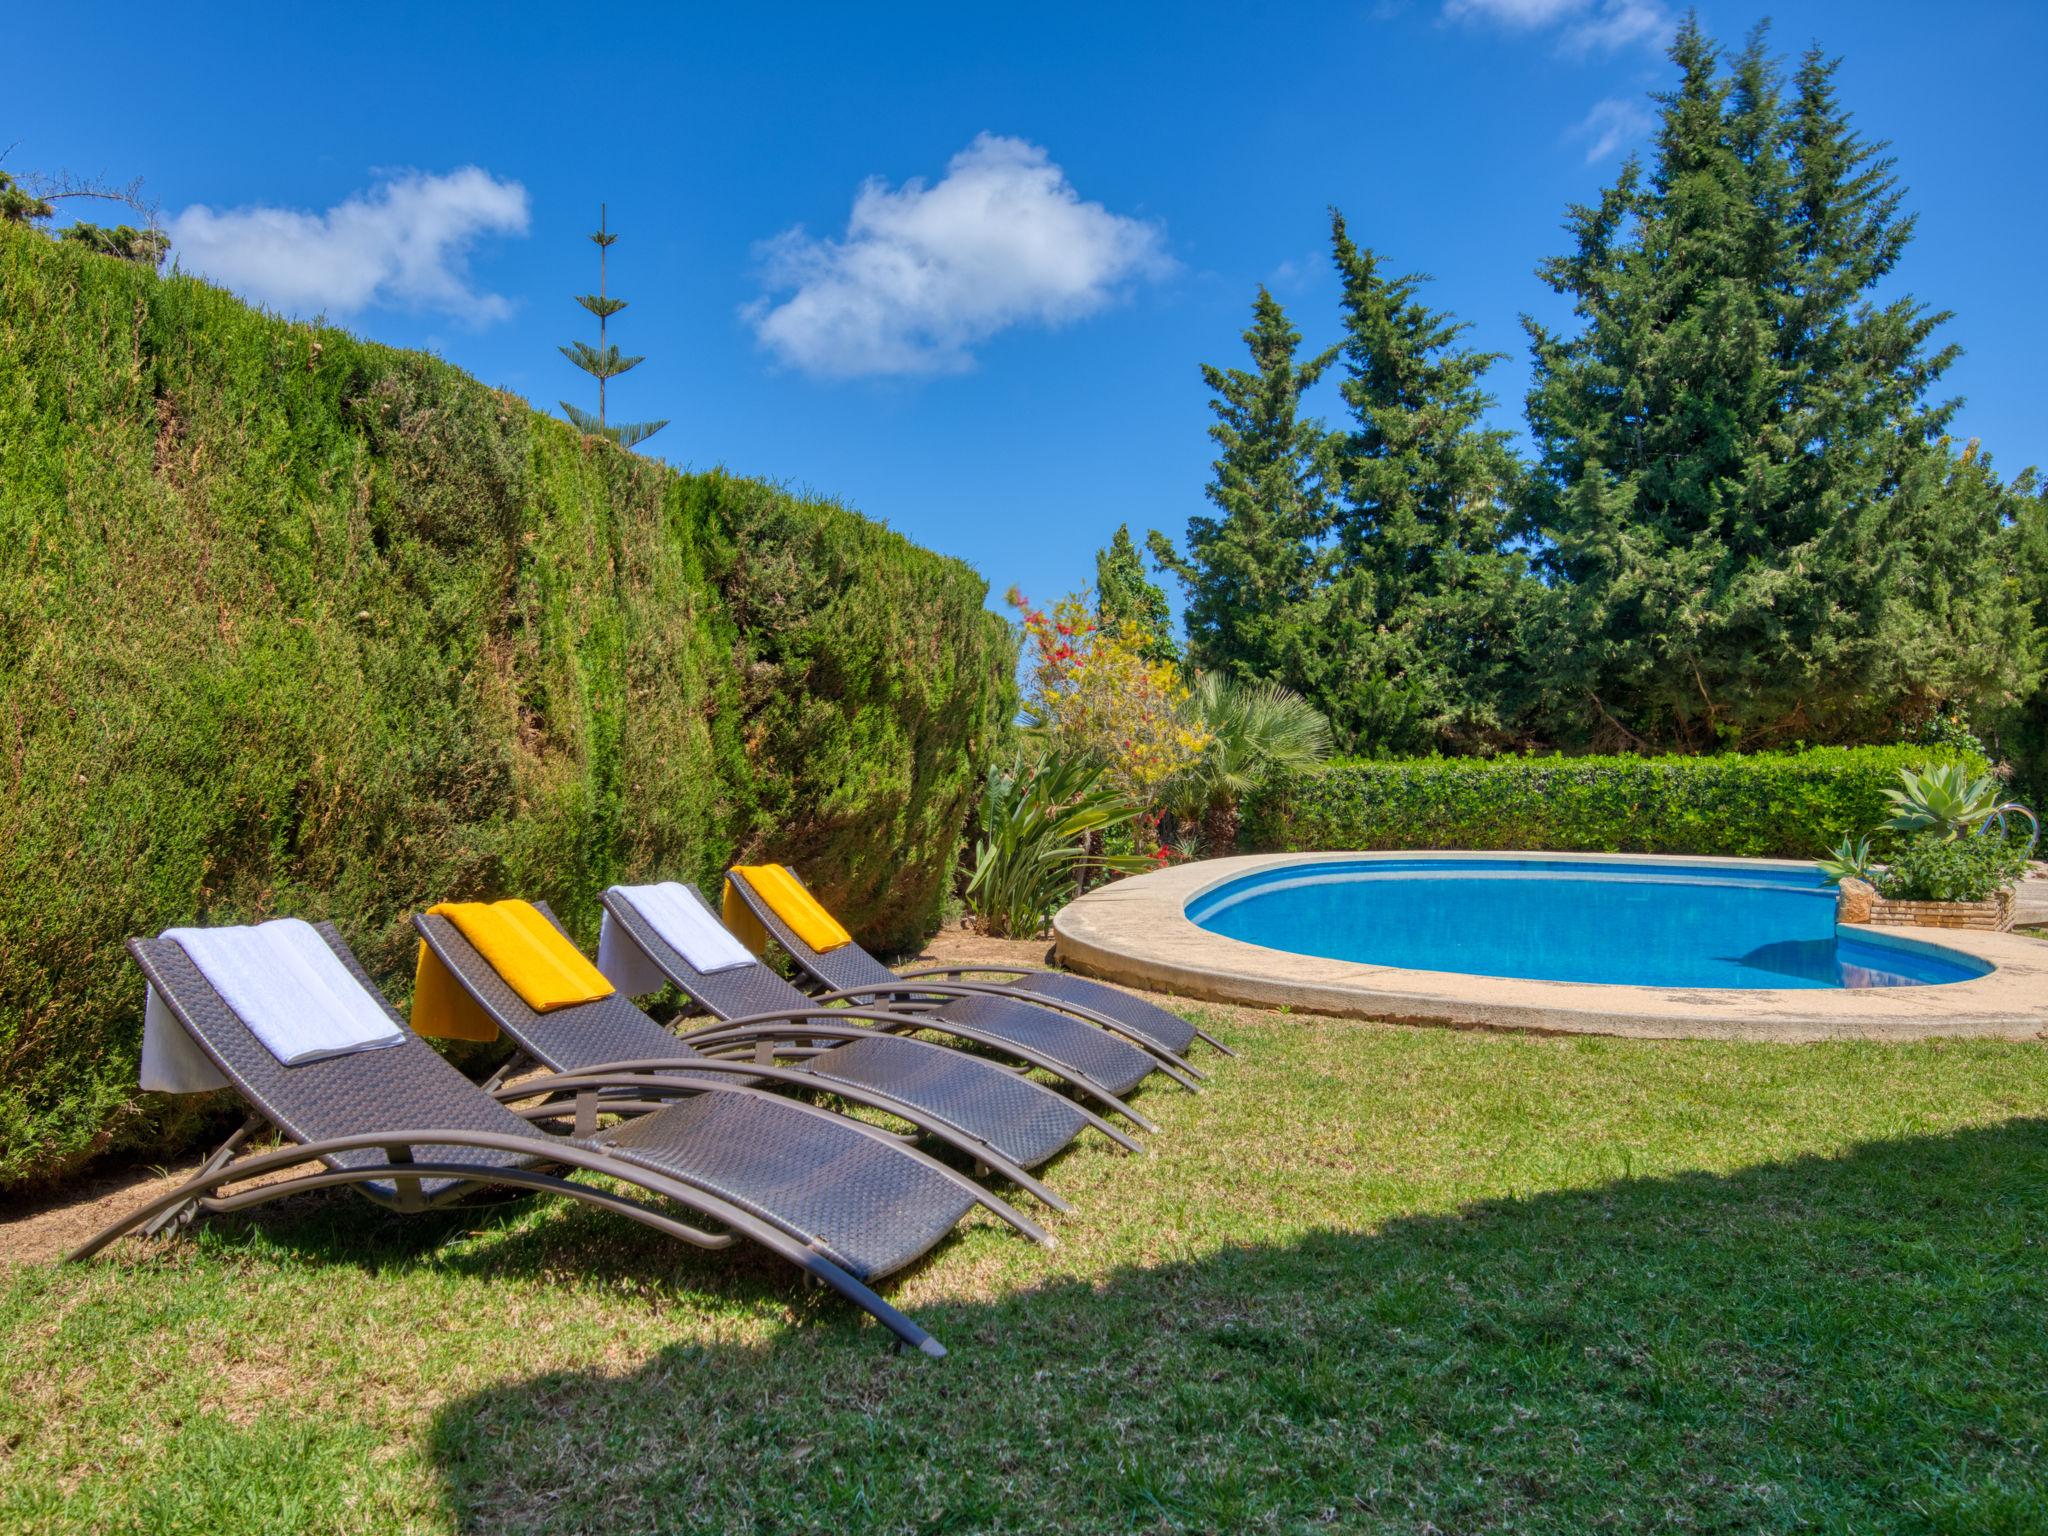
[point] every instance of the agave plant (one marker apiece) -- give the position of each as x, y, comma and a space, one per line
1850, 859
1255, 729
1035, 825
1947, 800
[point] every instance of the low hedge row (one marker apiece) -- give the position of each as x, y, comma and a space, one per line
292, 623
1780, 805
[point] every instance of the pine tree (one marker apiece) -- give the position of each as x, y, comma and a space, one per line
1420, 618
1124, 594
603, 361
22, 205
1741, 476
147, 246
18, 205
2021, 727
1252, 574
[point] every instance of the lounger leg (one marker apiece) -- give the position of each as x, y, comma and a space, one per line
179, 1215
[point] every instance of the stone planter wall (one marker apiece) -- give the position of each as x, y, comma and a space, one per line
1858, 903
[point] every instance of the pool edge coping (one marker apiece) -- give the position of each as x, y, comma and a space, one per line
1136, 931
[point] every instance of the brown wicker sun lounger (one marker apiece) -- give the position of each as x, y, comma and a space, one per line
1108, 1049
607, 1057
1025, 1119
843, 1201
1147, 1022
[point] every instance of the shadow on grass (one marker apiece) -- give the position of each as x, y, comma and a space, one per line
1847, 1343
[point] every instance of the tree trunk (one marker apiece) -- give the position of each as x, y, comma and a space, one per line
1219, 828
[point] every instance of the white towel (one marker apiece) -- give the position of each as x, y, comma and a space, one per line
171, 1059
291, 990
679, 915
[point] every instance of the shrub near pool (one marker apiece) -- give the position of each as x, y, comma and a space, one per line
1781, 805
291, 623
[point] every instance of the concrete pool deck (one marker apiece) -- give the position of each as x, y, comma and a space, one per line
1137, 932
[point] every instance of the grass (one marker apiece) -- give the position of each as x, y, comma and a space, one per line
1377, 1279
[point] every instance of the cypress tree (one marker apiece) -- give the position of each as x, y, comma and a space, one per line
1252, 573
2021, 728
1419, 621
1124, 594
1757, 529
603, 362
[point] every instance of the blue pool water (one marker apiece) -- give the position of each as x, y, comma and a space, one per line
1663, 925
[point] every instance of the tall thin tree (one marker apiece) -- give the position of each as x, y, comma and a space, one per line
603, 361
1252, 572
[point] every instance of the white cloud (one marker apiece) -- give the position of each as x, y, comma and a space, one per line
1611, 124
924, 272
1580, 26
403, 243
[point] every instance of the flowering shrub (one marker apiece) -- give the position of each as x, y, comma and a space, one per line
1095, 690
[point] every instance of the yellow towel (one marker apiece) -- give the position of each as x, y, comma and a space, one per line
739, 918
524, 948
789, 900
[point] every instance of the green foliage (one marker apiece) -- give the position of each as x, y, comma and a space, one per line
1255, 731
148, 246
18, 205
291, 623
1935, 868
1418, 631
1034, 846
1850, 859
1766, 805
1368, 570
604, 362
2019, 724
1949, 728
1126, 596
1944, 799
1755, 530
1251, 572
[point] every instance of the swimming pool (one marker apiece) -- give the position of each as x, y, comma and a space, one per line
1626, 923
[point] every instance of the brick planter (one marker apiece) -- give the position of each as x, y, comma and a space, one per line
1995, 915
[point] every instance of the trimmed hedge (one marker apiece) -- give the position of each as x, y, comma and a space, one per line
1781, 805
293, 623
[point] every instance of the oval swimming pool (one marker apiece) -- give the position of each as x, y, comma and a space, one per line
1668, 924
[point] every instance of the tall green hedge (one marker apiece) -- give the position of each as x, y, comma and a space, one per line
292, 623
1781, 805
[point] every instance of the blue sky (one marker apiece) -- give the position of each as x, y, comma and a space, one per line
1068, 208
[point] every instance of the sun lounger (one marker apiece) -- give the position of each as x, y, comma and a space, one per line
1112, 1051
606, 1057
843, 1201
757, 1007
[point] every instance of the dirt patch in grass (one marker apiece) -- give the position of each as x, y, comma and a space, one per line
43, 1230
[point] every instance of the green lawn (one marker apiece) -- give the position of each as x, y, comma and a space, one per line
1377, 1279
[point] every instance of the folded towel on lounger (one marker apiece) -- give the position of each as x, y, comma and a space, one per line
523, 947
790, 900
284, 983
685, 925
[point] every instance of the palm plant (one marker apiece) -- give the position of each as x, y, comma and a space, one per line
1036, 822
1255, 730
1947, 800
